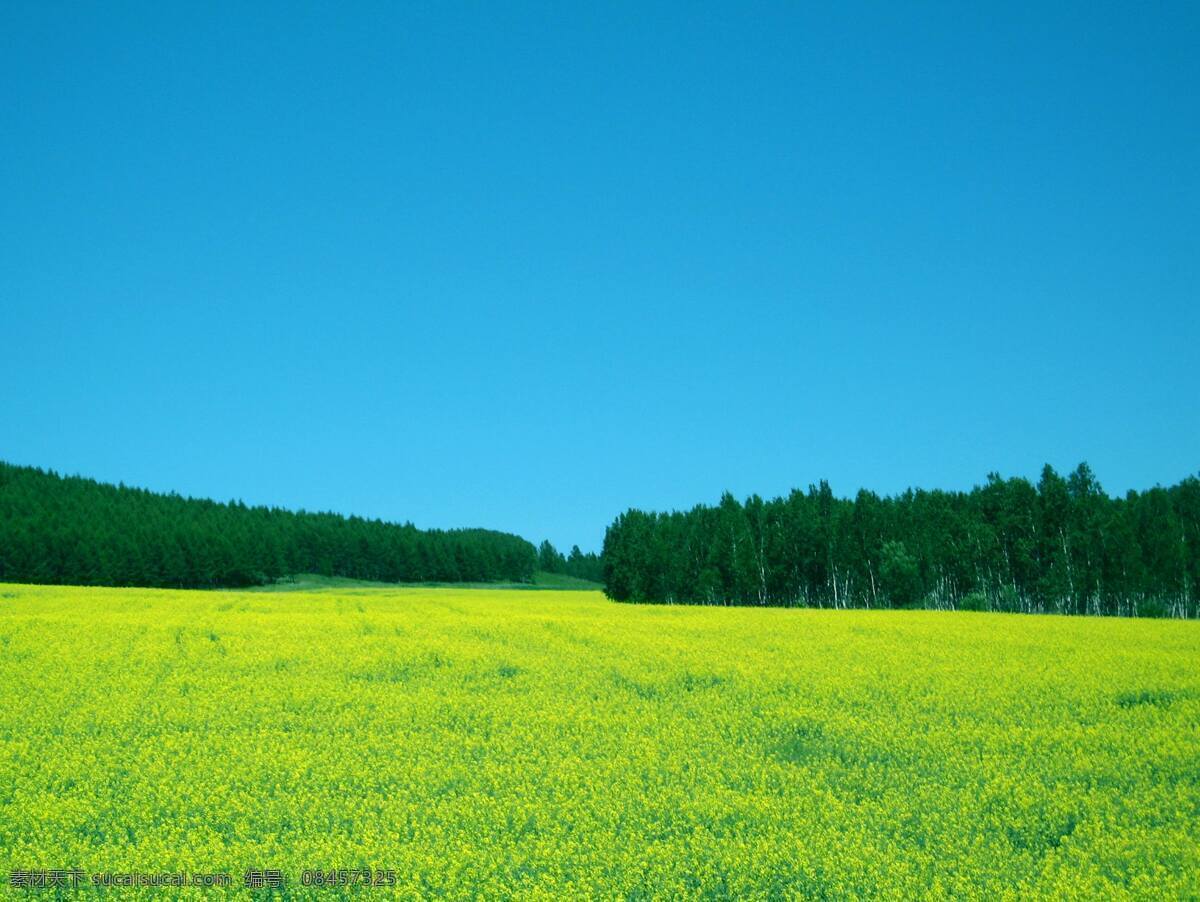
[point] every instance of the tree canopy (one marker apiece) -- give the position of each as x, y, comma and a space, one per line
71, 530
1062, 545
577, 564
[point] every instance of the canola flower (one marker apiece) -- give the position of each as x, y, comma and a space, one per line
554, 745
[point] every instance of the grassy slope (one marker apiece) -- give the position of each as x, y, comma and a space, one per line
313, 582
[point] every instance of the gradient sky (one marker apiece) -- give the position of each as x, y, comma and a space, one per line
526, 266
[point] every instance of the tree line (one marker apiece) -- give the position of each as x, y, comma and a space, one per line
1062, 545
577, 564
71, 530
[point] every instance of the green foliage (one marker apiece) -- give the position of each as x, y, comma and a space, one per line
70, 530
577, 565
1061, 546
549, 558
899, 575
974, 601
587, 567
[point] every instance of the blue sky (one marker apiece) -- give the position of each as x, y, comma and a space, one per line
524, 266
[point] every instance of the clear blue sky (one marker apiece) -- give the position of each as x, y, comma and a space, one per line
526, 266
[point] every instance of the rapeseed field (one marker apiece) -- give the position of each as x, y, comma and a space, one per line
495, 744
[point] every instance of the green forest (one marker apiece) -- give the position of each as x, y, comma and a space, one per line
576, 564
1062, 545
76, 531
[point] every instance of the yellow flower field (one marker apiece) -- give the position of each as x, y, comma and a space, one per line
490, 744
